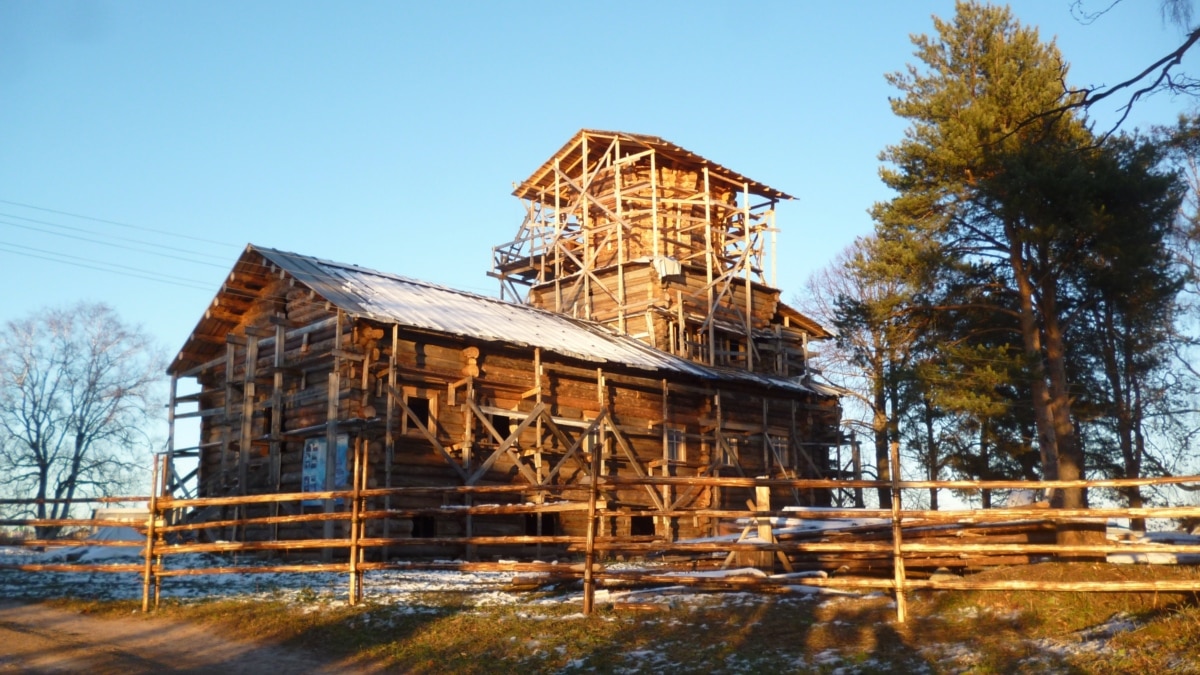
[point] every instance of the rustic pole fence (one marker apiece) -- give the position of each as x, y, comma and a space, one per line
589, 573
356, 591
151, 518
897, 534
904, 538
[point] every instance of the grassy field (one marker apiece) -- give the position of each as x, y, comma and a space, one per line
947, 631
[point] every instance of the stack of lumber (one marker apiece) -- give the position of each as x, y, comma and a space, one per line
973, 538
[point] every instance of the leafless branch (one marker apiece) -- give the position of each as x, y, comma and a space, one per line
1085, 17
1160, 71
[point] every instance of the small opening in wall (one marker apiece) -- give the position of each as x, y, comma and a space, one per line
641, 526
550, 525
424, 527
419, 405
503, 425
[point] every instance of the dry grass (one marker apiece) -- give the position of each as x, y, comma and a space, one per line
947, 632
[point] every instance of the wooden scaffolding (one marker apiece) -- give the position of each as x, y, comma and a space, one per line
660, 244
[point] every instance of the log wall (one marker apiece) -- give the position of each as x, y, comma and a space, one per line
433, 409
714, 430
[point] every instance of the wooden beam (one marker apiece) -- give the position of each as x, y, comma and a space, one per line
506, 444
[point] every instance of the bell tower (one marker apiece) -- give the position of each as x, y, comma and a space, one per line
661, 244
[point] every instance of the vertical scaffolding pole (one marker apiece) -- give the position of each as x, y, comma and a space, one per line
390, 435
774, 241
231, 342
654, 206
589, 572
168, 474
619, 223
709, 260
540, 497
602, 435
585, 227
558, 234
746, 274
331, 431
276, 430
248, 396
668, 470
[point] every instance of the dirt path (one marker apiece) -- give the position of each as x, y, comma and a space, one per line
40, 639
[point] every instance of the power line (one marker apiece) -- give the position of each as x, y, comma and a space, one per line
88, 263
107, 243
120, 224
92, 263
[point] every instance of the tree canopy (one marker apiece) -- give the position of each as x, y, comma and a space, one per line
1035, 256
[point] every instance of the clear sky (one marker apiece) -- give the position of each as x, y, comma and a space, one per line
154, 140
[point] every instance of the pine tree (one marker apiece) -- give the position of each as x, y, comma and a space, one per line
1013, 206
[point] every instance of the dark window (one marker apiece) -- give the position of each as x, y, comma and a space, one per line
641, 526
419, 405
550, 525
503, 425
424, 527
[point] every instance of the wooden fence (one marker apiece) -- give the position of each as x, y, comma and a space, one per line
71, 532
169, 533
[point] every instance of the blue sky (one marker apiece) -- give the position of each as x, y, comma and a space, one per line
388, 134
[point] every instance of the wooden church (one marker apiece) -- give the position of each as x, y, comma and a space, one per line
638, 320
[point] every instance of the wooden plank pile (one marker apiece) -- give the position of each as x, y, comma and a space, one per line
877, 560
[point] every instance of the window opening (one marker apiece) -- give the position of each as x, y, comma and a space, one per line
550, 525
422, 408
734, 453
424, 527
676, 446
641, 526
780, 449
502, 424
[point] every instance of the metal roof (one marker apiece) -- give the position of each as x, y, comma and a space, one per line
391, 298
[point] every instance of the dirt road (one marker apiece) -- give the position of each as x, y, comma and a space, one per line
40, 639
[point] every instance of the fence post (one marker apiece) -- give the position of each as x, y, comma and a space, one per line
355, 582
764, 560
152, 508
897, 548
589, 577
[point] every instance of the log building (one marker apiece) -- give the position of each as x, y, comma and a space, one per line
647, 332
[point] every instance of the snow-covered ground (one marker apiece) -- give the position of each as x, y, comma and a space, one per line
393, 586
412, 592
1118, 531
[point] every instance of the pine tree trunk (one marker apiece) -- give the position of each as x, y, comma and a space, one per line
1032, 340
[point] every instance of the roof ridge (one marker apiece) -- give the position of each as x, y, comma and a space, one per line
389, 275
450, 289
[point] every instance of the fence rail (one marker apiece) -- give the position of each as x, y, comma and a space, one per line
168, 533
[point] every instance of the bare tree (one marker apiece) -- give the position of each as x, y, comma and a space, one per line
78, 394
1165, 74
875, 337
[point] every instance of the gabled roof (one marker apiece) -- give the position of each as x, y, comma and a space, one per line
797, 318
571, 156
410, 303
